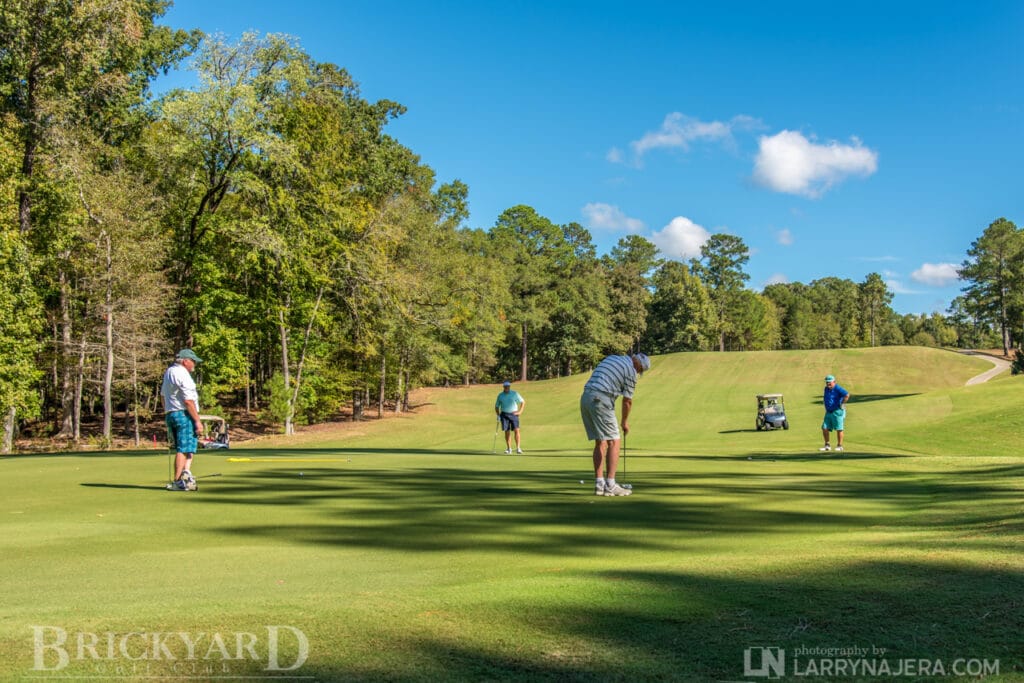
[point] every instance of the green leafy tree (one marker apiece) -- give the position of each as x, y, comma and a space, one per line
577, 332
21, 320
875, 298
835, 302
534, 253
628, 267
73, 73
756, 323
83, 63
680, 314
720, 268
994, 272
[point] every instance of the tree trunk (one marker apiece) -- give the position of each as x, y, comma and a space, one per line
289, 428
8, 439
67, 394
108, 376
1005, 329
357, 405
522, 373
405, 391
135, 398
383, 384
467, 377
79, 382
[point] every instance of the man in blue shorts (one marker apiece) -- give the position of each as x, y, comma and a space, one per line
508, 407
613, 377
835, 399
181, 414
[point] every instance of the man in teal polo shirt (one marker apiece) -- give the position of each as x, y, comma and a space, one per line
508, 407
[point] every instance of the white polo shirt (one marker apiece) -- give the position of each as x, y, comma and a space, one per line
178, 387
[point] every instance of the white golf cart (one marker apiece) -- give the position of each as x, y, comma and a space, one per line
215, 432
771, 412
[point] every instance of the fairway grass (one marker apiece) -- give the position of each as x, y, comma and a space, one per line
405, 550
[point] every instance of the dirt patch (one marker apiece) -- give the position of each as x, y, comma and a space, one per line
242, 426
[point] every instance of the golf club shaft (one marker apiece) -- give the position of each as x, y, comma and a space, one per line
205, 476
623, 456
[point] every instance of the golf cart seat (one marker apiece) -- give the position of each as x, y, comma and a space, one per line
771, 412
215, 432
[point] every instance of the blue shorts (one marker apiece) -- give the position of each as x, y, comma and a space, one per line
181, 433
834, 420
509, 421
598, 412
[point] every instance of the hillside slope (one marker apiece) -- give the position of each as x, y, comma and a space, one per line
905, 400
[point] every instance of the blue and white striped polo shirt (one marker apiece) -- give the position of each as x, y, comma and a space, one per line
615, 375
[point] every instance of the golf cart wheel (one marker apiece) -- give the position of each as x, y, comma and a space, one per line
785, 424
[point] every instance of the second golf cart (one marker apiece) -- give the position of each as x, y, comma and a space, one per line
215, 432
771, 412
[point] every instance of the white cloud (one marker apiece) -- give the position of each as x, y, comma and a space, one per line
784, 237
600, 216
678, 131
877, 259
681, 239
936, 274
788, 162
614, 155
776, 279
897, 287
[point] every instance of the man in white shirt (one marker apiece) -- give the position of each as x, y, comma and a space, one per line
181, 414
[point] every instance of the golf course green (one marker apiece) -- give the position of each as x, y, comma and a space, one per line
404, 549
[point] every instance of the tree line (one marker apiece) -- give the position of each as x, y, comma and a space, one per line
265, 218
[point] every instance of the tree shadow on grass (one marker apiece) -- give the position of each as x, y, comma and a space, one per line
688, 625
551, 513
101, 485
868, 398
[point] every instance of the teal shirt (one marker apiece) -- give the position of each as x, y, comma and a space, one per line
509, 402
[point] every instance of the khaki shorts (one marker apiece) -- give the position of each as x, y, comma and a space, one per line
598, 412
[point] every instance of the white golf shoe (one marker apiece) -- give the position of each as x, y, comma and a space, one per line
616, 490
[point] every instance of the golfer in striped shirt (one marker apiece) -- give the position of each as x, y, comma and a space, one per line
613, 377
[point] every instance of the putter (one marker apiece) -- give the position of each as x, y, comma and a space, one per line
206, 476
625, 486
494, 441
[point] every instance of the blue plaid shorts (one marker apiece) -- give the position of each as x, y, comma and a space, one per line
181, 433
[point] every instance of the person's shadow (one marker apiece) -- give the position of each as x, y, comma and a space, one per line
124, 486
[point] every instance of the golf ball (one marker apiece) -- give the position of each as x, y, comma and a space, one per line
301, 474
581, 481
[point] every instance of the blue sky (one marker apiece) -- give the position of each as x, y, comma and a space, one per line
836, 139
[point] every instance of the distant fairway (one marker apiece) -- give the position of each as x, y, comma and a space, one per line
406, 551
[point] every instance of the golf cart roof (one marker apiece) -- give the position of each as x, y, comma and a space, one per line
767, 396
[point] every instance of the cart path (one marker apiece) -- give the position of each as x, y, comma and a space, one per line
1001, 365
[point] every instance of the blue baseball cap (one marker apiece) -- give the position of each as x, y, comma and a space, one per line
506, 384
830, 378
